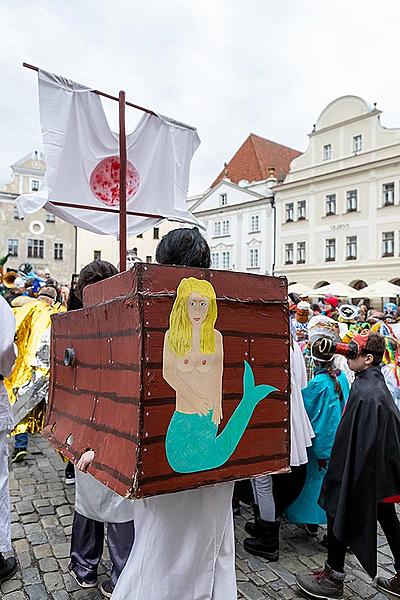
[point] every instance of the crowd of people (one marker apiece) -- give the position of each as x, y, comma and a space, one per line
344, 452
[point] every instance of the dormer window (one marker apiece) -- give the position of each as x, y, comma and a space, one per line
357, 143
327, 152
223, 199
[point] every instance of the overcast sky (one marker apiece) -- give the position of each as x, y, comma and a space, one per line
229, 67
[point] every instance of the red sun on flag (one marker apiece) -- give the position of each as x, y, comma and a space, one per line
104, 180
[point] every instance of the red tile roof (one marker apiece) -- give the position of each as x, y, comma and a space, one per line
254, 159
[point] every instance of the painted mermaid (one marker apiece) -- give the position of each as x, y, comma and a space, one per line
193, 367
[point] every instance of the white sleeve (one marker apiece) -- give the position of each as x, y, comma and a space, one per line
7, 332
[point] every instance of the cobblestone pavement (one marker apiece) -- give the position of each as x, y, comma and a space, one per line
42, 508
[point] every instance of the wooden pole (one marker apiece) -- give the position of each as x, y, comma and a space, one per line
122, 183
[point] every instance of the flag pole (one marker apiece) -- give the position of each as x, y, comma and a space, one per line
122, 183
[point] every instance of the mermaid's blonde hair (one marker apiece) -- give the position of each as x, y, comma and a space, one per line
180, 327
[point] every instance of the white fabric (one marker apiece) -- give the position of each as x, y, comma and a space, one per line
5, 515
184, 548
96, 501
340, 362
301, 432
391, 382
8, 353
77, 137
264, 496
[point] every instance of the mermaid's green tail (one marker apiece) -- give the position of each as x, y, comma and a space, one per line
192, 443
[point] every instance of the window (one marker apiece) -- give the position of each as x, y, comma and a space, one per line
301, 210
35, 185
134, 251
97, 255
331, 205
351, 247
156, 233
223, 199
330, 250
254, 258
226, 226
388, 194
388, 243
327, 152
50, 218
215, 260
35, 248
288, 254
139, 235
254, 223
289, 212
16, 213
149, 259
58, 251
12, 247
217, 228
351, 198
301, 253
226, 259
357, 143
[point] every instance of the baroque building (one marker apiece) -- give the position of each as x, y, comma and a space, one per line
338, 210
42, 239
238, 209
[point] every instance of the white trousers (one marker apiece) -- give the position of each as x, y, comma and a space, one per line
5, 516
264, 497
184, 548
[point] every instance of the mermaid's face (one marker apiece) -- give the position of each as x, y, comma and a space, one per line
197, 308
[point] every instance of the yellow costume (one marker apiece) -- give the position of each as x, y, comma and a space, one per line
32, 323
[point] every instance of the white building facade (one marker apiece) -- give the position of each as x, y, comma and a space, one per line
41, 239
338, 210
239, 225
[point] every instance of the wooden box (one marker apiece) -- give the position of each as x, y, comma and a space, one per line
112, 396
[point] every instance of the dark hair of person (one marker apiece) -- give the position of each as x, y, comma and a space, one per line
376, 347
93, 272
73, 302
333, 374
316, 307
53, 283
185, 247
295, 298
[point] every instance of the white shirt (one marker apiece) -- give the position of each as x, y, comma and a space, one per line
8, 353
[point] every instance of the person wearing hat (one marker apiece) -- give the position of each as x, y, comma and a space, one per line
362, 477
33, 363
324, 399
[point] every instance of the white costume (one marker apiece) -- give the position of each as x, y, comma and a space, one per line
301, 432
7, 359
391, 382
184, 548
95, 501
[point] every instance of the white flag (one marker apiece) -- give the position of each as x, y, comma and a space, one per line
82, 157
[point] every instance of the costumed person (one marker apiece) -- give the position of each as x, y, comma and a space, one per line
28, 383
331, 307
293, 300
273, 493
8, 566
347, 315
324, 399
302, 316
391, 360
96, 504
184, 547
364, 469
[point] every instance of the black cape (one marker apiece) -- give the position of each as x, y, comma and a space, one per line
364, 467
